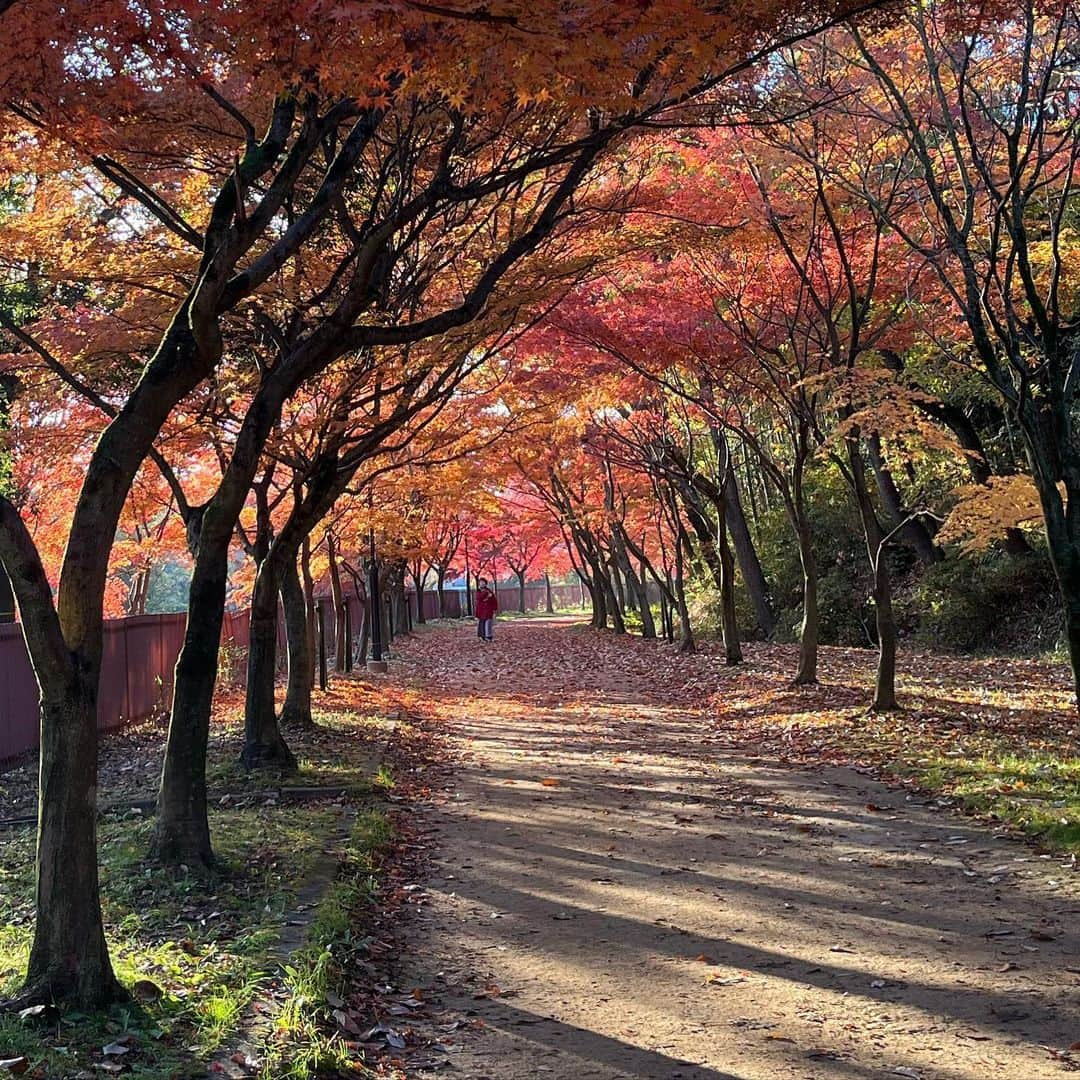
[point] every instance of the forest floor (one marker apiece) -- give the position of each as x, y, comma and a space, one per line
646, 865
238, 974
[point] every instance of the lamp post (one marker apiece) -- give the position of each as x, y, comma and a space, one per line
376, 663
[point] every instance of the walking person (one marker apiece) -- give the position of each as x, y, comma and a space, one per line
486, 606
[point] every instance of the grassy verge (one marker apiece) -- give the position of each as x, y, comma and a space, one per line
314, 984
1034, 790
204, 961
561, 612
339, 751
999, 736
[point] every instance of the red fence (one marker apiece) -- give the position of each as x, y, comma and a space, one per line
562, 596
139, 655
137, 661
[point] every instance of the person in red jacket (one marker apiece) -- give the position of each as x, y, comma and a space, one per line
486, 606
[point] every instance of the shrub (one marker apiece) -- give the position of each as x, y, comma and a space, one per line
989, 602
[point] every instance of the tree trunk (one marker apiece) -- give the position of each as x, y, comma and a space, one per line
521, 590
181, 831
686, 633
396, 598
611, 601
404, 618
340, 644
729, 618
365, 634
636, 585
386, 622
69, 959
667, 610
296, 711
440, 589
263, 745
641, 590
617, 583
914, 532
598, 596
749, 564
810, 631
309, 602
7, 598
885, 684
136, 598
420, 584
1062, 521
1071, 593
549, 607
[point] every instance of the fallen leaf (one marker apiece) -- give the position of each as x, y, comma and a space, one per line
145, 990
345, 1021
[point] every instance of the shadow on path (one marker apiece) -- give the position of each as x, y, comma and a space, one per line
621, 891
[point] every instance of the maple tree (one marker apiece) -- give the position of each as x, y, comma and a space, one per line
528, 536
160, 135
262, 262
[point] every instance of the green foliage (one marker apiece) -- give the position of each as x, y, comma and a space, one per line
169, 580
844, 579
989, 602
955, 605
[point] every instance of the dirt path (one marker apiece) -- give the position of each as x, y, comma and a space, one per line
621, 892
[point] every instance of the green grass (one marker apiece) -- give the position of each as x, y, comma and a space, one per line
1027, 780
209, 947
1037, 793
337, 753
322, 967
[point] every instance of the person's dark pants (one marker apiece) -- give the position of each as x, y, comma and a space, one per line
485, 629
